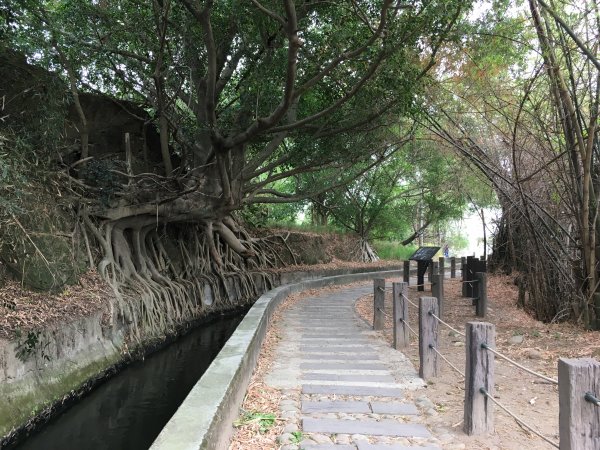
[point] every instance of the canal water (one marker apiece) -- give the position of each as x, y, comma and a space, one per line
128, 411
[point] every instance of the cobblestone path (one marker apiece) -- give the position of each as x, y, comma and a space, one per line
343, 388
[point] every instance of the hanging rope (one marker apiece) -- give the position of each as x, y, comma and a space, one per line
411, 303
418, 285
448, 325
444, 358
519, 421
409, 328
382, 311
544, 377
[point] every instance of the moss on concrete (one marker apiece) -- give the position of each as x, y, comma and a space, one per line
20, 404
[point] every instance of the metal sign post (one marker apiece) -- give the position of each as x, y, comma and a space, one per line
424, 257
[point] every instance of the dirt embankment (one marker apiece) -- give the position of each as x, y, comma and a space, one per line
23, 310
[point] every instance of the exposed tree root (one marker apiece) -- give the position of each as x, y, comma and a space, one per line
164, 275
365, 252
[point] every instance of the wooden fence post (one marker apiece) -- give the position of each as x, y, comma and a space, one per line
579, 419
475, 292
442, 266
453, 267
378, 303
481, 305
463, 274
401, 332
479, 373
437, 291
406, 272
428, 336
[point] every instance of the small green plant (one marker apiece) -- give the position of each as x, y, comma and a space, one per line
536, 333
297, 437
264, 420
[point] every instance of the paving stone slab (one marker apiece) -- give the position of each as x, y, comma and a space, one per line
342, 366
336, 335
367, 427
338, 315
347, 377
328, 355
329, 389
332, 320
351, 332
325, 309
325, 329
307, 308
394, 408
363, 445
336, 407
339, 348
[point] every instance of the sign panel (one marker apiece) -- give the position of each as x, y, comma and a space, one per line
424, 253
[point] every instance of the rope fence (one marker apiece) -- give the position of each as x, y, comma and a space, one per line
409, 328
514, 363
409, 302
447, 361
446, 324
578, 423
517, 419
383, 312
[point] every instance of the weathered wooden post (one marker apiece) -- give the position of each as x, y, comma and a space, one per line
579, 414
481, 305
475, 291
401, 332
433, 268
470, 276
406, 272
437, 291
463, 273
428, 336
479, 375
378, 303
442, 266
453, 267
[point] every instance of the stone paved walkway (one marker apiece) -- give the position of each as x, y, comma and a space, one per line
343, 388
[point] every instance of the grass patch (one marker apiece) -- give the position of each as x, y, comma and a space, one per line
264, 421
297, 437
393, 250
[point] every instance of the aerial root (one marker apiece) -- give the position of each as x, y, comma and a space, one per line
161, 283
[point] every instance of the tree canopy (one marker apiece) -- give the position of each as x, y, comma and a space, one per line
242, 97
239, 103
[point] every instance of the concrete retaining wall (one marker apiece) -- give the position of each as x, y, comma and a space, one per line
204, 420
39, 369
66, 357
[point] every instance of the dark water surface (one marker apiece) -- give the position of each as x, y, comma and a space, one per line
129, 410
